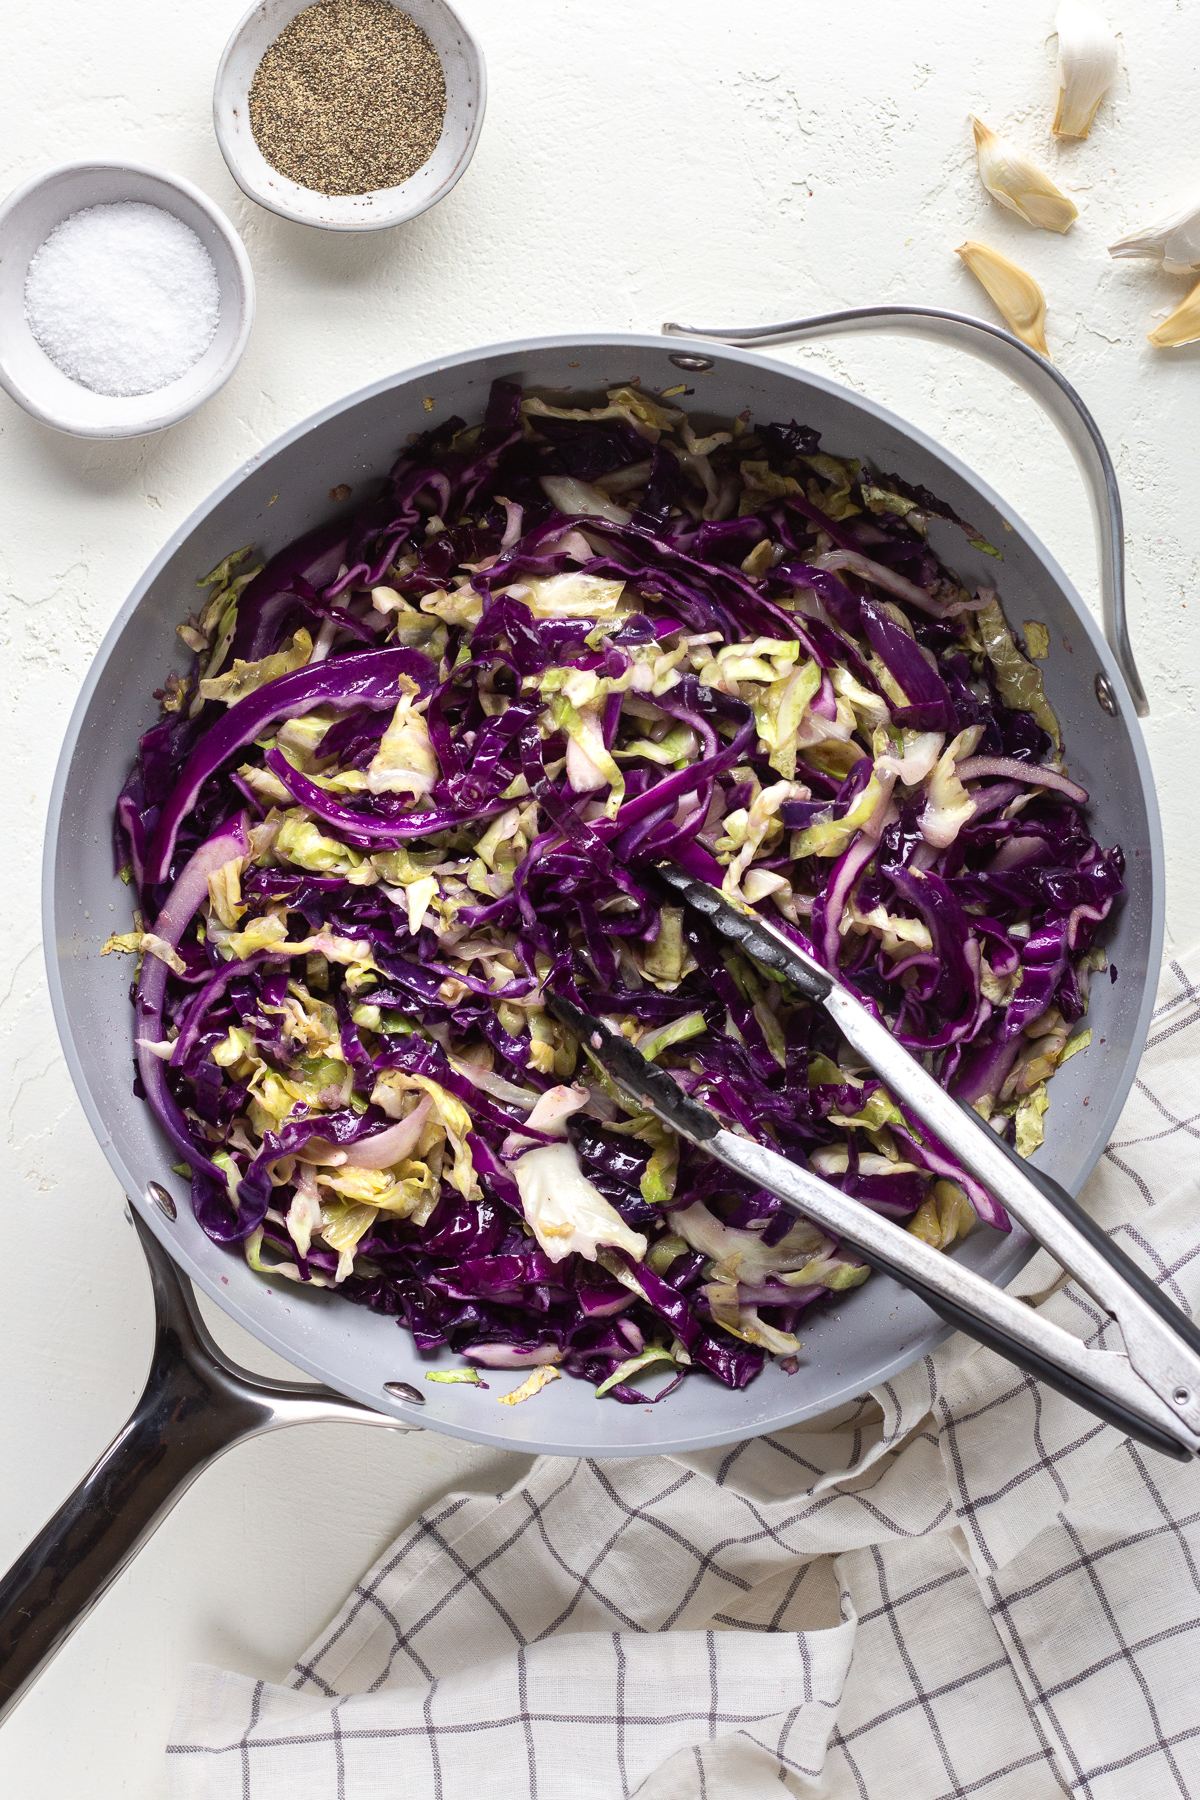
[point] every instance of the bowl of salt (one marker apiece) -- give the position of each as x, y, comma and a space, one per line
126, 298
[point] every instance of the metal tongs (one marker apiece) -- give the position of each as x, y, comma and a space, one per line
1150, 1390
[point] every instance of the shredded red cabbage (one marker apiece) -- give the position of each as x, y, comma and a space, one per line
420, 772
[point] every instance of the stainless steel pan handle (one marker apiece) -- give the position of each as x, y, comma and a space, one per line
195, 1405
1057, 399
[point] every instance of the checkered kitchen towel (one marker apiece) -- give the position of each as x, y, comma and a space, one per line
960, 1585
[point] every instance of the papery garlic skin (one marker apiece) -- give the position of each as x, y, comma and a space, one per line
1176, 238
1016, 181
1180, 327
1087, 67
1015, 292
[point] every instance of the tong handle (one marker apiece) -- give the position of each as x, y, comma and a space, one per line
1117, 1259
960, 1296
1103, 1381
1162, 1343
994, 1337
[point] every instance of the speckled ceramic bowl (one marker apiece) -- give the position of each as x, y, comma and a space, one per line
466, 96
27, 218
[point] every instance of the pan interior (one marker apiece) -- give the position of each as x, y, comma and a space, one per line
851, 1346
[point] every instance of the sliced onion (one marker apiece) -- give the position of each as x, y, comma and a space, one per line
880, 576
1010, 769
176, 914
510, 1356
395, 1144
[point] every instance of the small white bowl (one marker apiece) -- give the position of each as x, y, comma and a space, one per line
27, 218
466, 97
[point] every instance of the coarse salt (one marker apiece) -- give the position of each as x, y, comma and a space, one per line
123, 297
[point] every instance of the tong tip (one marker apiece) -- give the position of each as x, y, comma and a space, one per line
634, 1074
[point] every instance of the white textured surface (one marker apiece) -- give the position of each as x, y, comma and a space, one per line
642, 159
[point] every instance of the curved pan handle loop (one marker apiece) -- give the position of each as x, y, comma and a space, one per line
1056, 397
195, 1406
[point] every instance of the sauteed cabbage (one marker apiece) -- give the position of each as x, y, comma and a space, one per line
419, 772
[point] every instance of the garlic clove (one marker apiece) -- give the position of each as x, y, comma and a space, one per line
1016, 293
1087, 67
1016, 181
1175, 238
1182, 326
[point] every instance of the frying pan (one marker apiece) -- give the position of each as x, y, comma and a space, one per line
196, 1404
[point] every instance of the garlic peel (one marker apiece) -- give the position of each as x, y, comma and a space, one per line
1016, 294
1017, 182
1087, 67
1175, 238
1180, 327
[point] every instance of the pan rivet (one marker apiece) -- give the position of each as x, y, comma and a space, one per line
1105, 695
402, 1390
695, 365
164, 1201
1181, 1396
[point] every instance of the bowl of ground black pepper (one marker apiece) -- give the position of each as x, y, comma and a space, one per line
350, 115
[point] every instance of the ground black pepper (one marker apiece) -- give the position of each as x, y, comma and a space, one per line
349, 98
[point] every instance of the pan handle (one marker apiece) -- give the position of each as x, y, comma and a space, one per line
1042, 381
195, 1405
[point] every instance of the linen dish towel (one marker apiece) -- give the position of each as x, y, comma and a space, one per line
959, 1585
